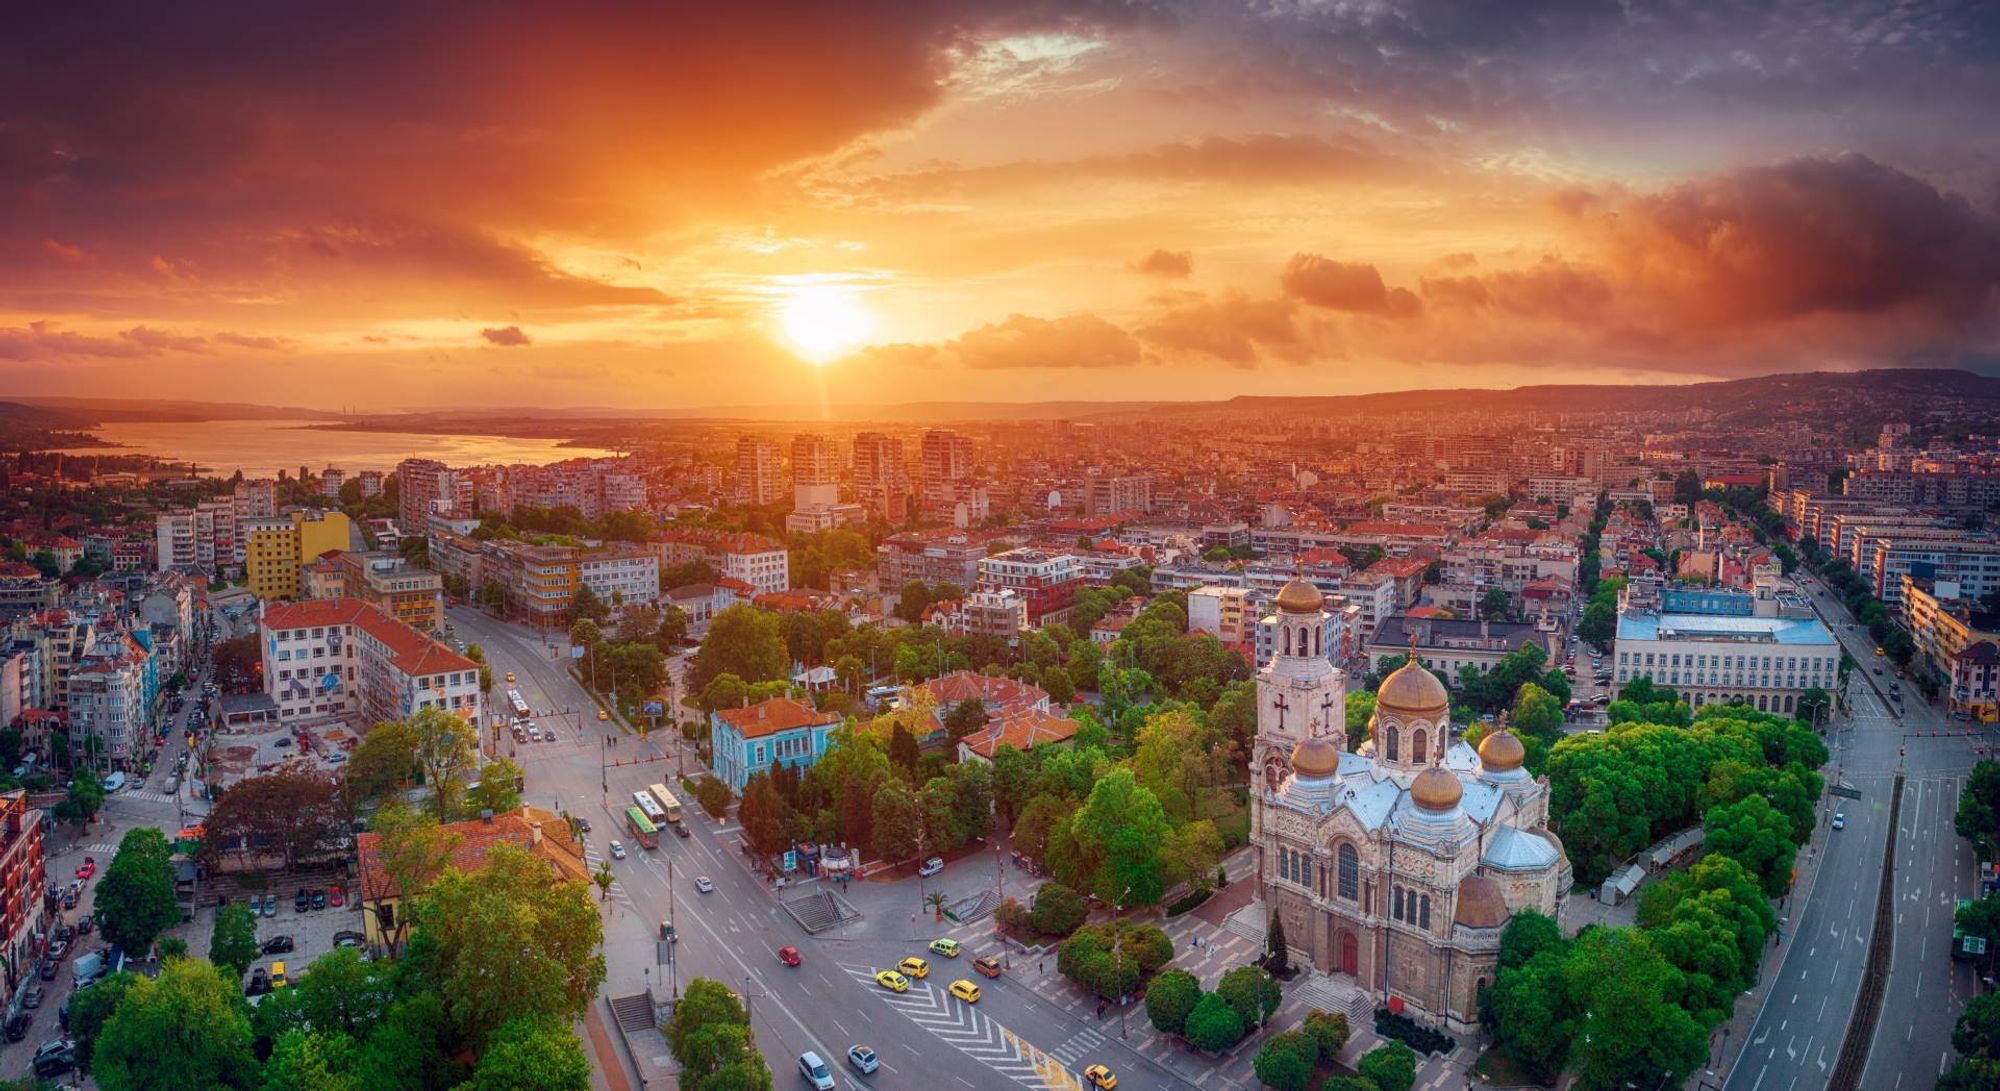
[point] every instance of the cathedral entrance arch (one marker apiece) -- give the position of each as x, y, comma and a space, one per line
1350, 954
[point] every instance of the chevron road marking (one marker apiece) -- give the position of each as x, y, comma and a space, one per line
966, 1029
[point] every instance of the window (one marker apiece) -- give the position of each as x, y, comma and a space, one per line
1350, 871
1424, 911
1397, 896
1417, 748
1392, 744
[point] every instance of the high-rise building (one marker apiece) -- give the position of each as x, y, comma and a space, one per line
417, 480
1104, 494
947, 457
881, 476
757, 480
256, 499
277, 549
815, 474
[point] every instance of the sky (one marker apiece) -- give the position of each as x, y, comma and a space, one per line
439, 205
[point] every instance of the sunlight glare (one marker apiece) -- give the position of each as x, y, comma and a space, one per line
824, 321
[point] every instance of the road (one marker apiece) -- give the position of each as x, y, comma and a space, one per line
923, 1037
1804, 1019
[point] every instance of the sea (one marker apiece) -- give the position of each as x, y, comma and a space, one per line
260, 448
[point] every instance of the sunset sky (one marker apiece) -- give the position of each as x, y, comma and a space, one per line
438, 204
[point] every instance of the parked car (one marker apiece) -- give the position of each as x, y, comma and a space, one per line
302, 901
349, 938
33, 998
55, 1057
278, 979
931, 866
335, 896
863, 1059
260, 983
114, 782
319, 899
270, 905
278, 945
57, 950
17, 1026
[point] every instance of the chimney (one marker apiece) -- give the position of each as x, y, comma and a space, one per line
535, 830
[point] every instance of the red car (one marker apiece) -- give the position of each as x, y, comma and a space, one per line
88, 869
334, 896
789, 956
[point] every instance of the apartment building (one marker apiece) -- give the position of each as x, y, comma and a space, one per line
538, 582
24, 590
1971, 563
1048, 582
419, 484
934, 556
881, 476
388, 582
24, 910
1221, 611
277, 549
758, 480
620, 574
109, 692
1962, 655
1001, 614
1119, 494
203, 536
761, 562
343, 659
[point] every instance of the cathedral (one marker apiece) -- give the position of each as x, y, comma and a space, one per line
1399, 864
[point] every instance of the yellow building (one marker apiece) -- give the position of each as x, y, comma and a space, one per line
277, 549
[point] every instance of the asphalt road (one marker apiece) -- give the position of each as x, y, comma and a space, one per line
924, 1037
1799, 1030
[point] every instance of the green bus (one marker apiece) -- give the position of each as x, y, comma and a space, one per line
643, 830
1964, 947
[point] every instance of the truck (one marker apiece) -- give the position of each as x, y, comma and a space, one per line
96, 966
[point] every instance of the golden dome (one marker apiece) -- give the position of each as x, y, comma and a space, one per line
1436, 790
1502, 751
1413, 690
1300, 597
1315, 758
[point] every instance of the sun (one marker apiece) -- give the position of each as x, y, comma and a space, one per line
824, 321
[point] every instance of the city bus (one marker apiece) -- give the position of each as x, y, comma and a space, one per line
643, 830
669, 806
649, 807
520, 706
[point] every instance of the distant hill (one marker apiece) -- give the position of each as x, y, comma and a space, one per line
100, 410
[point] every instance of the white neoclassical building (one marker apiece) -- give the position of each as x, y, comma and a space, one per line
1398, 865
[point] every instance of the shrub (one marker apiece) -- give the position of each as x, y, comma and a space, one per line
713, 795
1251, 992
1347, 1083
1286, 1061
1084, 959
1401, 1028
1329, 1031
1169, 999
1392, 1067
1058, 910
1213, 1025
1013, 916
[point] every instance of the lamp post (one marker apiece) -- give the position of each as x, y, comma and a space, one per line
1118, 954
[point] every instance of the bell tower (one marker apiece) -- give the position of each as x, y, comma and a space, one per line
1300, 693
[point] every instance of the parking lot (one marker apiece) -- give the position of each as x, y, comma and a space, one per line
312, 932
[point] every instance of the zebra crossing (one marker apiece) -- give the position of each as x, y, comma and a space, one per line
98, 848
593, 859
1084, 1043
147, 795
965, 1028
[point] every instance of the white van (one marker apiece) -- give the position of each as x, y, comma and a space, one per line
114, 782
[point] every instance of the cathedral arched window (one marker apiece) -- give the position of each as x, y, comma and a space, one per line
1316, 651
1350, 872
1288, 642
1418, 751
1424, 912
1392, 744
1396, 896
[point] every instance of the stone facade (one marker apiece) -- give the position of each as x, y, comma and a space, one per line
1399, 864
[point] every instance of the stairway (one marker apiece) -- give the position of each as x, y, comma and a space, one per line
1248, 922
968, 910
633, 1013
1329, 992
819, 911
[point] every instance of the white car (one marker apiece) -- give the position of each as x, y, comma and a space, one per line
1840, 820
931, 866
815, 1071
702, 884
617, 850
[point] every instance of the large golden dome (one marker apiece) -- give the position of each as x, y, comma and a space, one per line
1414, 691
1315, 758
1502, 751
1300, 597
1436, 790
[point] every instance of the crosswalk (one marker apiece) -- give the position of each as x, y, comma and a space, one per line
100, 848
968, 1030
1084, 1043
149, 796
592, 858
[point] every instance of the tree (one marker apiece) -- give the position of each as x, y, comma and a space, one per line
1978, 817
293, 813
413, 850
707, 1003
1282, 1062
1329, 1031
384, 761
233, 944
515, 912
1599, 625
1756, 835
903, 752
1277, 956
85, 798
1360, 712
744, 641
322, 1061
1213, 1025
587, 606
1170, 997
895, 821
447, 755
90, 1009
135, 899
196, 1009
1493, 604
1252, 992
1122, 827
1057, 910
1977, 1032
964, 718
408, 1049
765, 815
1637, 1033
534, 1053
499, 788
603, 878
1390, 1068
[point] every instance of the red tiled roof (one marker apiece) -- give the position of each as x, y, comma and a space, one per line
1023, 732
775, 715
999, 695
475, 839
412, 652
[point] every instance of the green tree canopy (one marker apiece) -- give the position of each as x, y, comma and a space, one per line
1123, 827
135, 899
744, 641
1170, 997
233, 943
195, 1008
535, 1053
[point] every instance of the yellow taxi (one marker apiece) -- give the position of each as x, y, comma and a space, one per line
278, 978
892, 981
603, 715
510, 676
965, 990
915, 967
1100, 1077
